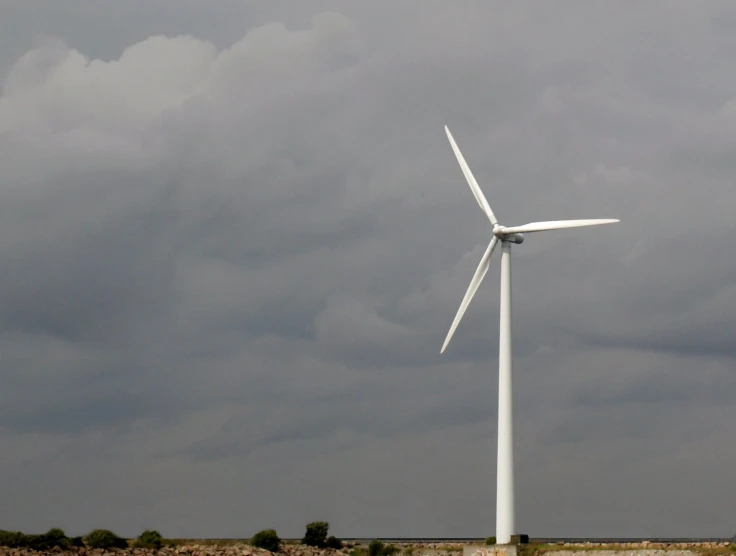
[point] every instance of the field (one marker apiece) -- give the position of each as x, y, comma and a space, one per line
105, 542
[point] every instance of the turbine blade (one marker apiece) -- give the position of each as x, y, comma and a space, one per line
474, 187
474, 283
558, 225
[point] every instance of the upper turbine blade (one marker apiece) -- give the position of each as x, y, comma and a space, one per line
474, 283
557, 225
475, 188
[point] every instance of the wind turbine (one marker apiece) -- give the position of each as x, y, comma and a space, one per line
505, 512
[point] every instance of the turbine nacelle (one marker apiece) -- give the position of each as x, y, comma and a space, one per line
513, 238
503, 234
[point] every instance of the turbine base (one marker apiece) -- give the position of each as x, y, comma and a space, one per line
490, 550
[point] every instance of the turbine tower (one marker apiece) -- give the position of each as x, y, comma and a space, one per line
505, 512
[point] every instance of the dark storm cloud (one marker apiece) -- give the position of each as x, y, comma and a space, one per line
233, 240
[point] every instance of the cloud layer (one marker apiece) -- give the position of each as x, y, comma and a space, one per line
231, 251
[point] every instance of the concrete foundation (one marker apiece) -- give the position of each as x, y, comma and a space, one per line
489, 550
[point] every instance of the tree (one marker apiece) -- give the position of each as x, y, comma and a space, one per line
103, 538
334, 542
267, 539
316, 534
149, 539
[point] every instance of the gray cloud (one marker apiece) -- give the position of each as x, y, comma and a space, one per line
233, 239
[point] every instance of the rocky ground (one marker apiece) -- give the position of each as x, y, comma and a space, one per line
435, 549
183, 550
195, 549
648, 545
644, 548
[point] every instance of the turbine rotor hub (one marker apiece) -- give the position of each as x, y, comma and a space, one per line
501, 233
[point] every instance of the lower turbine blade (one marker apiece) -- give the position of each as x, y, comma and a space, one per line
558, 225
474, 283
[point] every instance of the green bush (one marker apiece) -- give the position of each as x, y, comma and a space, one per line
375, 548
491, 540
53, 538
103, 538
149, 539
56, 537
47, 541
76, 541
333, 542
316, 534
267, 539
11, 539
378, 548
36, 542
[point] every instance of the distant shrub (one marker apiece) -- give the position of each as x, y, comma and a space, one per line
103, 538
13, 539
333, 542
378, 548
56, 537
358, 551
149, 539
76, 541
36, 542
316, 534
53, 538
491, 540
267, 539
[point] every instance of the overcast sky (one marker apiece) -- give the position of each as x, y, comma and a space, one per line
233, 236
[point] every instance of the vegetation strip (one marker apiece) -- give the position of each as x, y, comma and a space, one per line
316, 542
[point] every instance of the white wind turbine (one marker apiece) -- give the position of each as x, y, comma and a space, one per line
505, 512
